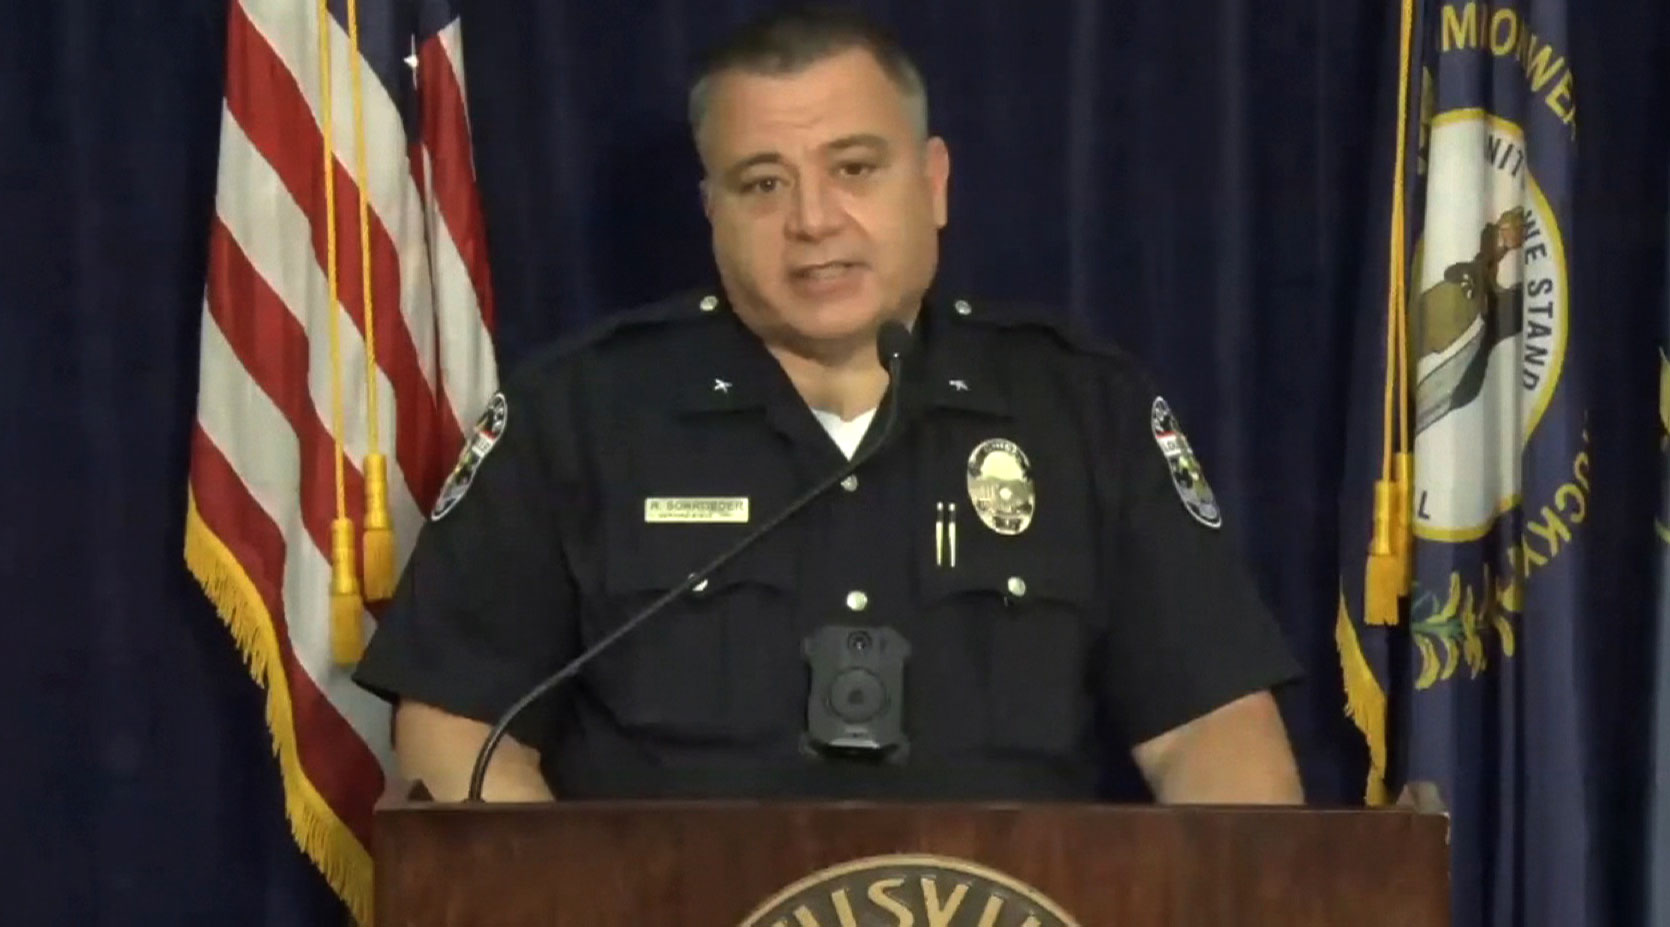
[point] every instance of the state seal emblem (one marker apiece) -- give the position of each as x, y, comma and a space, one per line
1488, 323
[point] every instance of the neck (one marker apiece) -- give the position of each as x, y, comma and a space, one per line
848, 384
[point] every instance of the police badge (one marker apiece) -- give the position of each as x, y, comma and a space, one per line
1000, 486
1186, 474
488, 429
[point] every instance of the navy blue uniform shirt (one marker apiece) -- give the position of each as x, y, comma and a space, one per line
1091, 598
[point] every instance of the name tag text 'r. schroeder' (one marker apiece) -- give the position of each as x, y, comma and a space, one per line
719, 510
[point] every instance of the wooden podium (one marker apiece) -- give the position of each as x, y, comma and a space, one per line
727, 864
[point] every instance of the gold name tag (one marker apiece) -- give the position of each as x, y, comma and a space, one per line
700, 510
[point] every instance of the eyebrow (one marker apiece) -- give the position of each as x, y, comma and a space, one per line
862, 140
844, 143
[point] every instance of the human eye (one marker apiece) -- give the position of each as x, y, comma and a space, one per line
857, 169
756, 186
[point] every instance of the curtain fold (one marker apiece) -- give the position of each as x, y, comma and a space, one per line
139, 786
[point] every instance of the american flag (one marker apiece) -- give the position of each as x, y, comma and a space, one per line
303, 262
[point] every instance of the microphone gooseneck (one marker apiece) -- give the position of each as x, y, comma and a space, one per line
893, 346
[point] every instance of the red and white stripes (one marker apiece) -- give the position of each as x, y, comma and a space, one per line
263, 470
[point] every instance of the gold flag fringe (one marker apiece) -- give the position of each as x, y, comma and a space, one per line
1365, 703
318, 829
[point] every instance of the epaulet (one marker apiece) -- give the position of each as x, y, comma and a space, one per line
694, 306
1053, 323
685, 307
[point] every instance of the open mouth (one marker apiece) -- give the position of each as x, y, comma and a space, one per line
828, 270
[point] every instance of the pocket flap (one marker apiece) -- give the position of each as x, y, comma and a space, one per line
1022, 569
655, 558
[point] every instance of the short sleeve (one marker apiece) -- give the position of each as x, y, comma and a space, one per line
484, 607
1188, 632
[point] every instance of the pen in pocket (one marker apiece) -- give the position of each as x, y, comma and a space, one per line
951, 533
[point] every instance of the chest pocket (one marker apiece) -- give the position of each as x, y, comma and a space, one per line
1022, 608
711, 666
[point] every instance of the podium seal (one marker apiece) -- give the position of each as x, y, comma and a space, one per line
908, 889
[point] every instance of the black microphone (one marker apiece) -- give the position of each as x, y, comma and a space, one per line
893, 344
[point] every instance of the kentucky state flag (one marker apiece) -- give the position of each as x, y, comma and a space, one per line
1468, 472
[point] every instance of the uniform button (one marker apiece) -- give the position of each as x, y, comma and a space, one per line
709, 303
850, 483
1017, 586
857, 600
962, 306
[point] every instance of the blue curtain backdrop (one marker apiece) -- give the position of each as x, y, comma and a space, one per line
1204, 182
137, 780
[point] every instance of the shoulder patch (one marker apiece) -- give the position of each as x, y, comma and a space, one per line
1186, 473
488, 429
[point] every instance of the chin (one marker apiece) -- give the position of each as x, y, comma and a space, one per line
833, 318
836, 323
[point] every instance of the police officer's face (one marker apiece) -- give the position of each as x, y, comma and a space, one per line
825, 200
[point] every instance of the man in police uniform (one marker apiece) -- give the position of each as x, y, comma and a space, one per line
1034, 541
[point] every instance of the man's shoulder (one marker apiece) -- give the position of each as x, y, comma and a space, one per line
1034, 330
659, 325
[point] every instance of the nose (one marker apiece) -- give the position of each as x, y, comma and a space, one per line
816, 213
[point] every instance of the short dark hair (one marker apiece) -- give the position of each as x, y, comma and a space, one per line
789, 39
